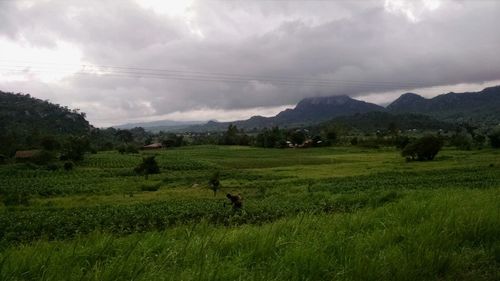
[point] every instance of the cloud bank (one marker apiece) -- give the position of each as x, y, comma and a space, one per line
195, 59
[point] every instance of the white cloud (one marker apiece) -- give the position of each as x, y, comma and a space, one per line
413, 10
20, 61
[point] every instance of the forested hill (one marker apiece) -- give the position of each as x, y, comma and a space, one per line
23, 118
308, 111
373, 121
483, 106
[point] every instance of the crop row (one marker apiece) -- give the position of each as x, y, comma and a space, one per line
28, 224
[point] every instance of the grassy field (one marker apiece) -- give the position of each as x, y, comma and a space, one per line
312, 214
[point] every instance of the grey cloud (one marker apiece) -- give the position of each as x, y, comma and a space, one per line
343, 41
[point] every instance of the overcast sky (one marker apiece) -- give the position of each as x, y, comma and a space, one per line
130, 60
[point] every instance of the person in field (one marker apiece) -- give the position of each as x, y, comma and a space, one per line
236, 201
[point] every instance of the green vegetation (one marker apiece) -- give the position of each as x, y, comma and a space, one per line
495, 138
317, 214
27, 122
423, 149
214, 182
147, 167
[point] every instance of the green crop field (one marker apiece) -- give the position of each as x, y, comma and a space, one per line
334, 213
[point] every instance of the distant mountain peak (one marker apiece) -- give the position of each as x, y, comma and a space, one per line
407, 101
411, 96
481, 106
330, 100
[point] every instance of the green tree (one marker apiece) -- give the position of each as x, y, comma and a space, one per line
50, 143
43, 157
147, 167
298, 137
423, 149
124, 136
230, 137
214, 182
75, 147
331, 135
495, 138
271, 138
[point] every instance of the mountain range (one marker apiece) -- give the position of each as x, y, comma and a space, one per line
160, 125
25, 115
483, 106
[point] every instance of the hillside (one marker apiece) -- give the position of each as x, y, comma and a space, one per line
308, 111
373, 121
313, 110
25, 114
24, 119
483, 106
160, 125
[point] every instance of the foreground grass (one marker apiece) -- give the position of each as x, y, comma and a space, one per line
427, 235
313, 214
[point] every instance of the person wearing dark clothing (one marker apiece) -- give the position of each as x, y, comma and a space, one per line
236, 200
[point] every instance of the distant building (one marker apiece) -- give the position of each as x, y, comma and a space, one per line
26, 154
156, 145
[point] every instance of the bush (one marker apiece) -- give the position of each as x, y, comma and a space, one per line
43, 157
401, 141
150, 187
50, 143
75, 148
369, 143
495, 139
214, 182
423, 149
52, 167
147, 167
16, 198
68, 166
462, 141
130, 148
3, 159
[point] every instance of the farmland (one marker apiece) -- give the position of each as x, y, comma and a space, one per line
321, 213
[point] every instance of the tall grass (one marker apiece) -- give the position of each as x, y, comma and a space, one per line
427, 235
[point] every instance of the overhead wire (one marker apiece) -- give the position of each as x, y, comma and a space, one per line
19, 67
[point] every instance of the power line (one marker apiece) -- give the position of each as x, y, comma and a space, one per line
187, 75
246, 77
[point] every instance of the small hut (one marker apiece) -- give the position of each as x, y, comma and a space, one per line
26, 154
156, 145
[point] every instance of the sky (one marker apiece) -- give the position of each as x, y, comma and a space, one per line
122, 61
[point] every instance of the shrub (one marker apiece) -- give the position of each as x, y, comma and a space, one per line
75, 148
147, 167
462, 141
43, 157
3, 159
50, 143
214, 182
52, 167
495, 139
150, 187
369, 143
423, 149
68, 166
16, 198
130, 148
479, 141
401, 141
